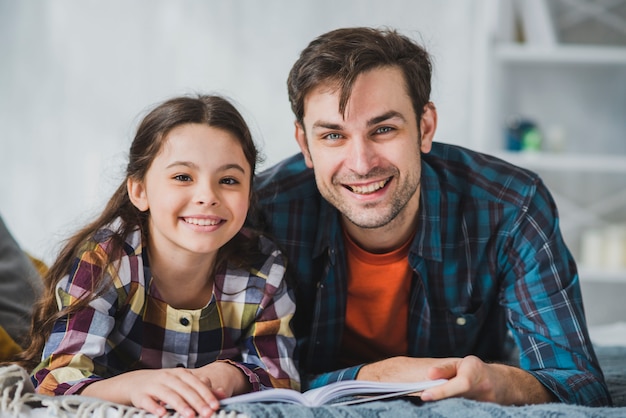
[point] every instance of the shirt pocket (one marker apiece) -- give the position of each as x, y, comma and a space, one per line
454, 332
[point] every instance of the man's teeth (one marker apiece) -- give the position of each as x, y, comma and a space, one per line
370, 188
201, 222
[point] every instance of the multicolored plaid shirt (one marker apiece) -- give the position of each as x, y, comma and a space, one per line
128, 327
491, 272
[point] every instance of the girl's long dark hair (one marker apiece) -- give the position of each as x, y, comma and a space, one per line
214, 111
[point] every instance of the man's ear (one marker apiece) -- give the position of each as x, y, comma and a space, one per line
428, 126
137, 194
300, 135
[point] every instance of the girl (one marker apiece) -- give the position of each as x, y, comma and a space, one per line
165, 299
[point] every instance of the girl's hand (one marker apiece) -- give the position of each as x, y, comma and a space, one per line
225, 379
181, 389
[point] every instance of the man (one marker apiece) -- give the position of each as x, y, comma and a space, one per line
416, 260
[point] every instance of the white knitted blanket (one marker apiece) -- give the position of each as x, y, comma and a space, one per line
18, 399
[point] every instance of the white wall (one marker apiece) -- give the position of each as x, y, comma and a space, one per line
76, 75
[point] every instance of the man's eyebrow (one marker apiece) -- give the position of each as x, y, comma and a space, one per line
326, 125
374, 121
385, 116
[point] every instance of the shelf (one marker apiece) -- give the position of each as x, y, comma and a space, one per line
595, 274
566, 162
561, 54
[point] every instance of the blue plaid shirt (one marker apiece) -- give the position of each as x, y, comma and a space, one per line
491, 272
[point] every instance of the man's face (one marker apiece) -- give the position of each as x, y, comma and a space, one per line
367, 164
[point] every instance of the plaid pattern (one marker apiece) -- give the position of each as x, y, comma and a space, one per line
129, 327
491, 272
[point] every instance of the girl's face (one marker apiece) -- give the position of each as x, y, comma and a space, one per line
197, 190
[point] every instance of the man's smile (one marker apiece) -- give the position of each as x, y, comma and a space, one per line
369, 188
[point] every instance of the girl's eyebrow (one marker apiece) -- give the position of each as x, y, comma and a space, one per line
183, 163
231, 166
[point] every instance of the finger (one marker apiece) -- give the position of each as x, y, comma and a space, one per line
152, 406
195, 393
220, 393
446, 370
203, 386
175, 401
452, 388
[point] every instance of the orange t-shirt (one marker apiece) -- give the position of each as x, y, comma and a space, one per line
377, 306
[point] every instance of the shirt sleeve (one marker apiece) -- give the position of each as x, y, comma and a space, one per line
323, 379
77, 339
269, 344
544, 306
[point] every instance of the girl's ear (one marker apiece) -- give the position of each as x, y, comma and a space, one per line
137, 194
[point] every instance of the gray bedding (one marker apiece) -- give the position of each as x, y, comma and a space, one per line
18, 400
612, 360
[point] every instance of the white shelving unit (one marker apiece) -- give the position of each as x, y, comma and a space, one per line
578, 91
606, 163
561, 54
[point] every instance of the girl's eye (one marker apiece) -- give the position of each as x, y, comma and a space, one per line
182, 177
229, 181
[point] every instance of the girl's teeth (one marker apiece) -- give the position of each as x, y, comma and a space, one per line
201, 222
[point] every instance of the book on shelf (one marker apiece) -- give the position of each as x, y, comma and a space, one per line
346, 392
537, 23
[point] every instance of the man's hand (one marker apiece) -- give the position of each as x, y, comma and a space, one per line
468, 377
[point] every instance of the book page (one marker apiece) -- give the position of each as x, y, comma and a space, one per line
365, 391
326, 394
269, 395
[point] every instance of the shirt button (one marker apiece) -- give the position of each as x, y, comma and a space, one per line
461, 321
184, 321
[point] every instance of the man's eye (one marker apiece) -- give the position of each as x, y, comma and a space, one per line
182, 177
333, 136
384, 129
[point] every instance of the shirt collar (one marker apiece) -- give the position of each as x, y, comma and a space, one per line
328, 228
427, 242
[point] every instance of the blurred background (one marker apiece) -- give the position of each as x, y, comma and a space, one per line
541, 83
76, 76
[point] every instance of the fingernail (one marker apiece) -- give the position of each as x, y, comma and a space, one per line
426, 396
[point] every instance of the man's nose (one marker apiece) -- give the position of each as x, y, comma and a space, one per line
362, 155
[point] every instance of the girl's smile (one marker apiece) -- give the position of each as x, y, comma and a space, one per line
197, 191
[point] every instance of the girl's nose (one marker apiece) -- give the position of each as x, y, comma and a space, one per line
206, 195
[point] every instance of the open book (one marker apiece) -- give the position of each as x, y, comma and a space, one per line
346, 392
